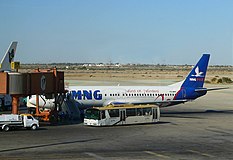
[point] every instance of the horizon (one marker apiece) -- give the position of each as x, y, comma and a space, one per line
123, 64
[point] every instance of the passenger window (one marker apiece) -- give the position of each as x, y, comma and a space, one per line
139, 111
131, 112
114, 113
146, 111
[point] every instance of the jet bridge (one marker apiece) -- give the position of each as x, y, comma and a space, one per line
39, 82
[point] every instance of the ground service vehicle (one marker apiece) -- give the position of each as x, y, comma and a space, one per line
10, 121
121, 115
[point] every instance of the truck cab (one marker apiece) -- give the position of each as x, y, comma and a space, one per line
29, 121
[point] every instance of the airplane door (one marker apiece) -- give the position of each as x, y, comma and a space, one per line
123, 116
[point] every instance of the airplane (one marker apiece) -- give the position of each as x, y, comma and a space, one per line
5, 64
187, 90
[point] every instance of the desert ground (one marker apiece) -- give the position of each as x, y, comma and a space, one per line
171, 73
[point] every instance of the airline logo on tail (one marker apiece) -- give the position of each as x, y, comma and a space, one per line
5, 64
11, 55
198, 75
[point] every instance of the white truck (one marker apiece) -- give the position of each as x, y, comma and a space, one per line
11, 121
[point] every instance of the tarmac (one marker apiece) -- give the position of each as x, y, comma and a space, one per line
202, 129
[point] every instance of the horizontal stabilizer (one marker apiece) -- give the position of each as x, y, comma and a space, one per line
210, 89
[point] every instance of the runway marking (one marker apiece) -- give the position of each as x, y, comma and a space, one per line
95, 156
200, 153
157, 154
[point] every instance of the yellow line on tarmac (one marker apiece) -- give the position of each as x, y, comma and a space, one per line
200, 153
157, 154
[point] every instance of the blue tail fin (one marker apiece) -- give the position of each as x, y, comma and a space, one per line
196, 77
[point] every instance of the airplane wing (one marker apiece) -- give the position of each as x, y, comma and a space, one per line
209, 89
158, 103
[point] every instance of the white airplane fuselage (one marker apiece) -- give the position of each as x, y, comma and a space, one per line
105, 95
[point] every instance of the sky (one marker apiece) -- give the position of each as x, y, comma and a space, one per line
118, 31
